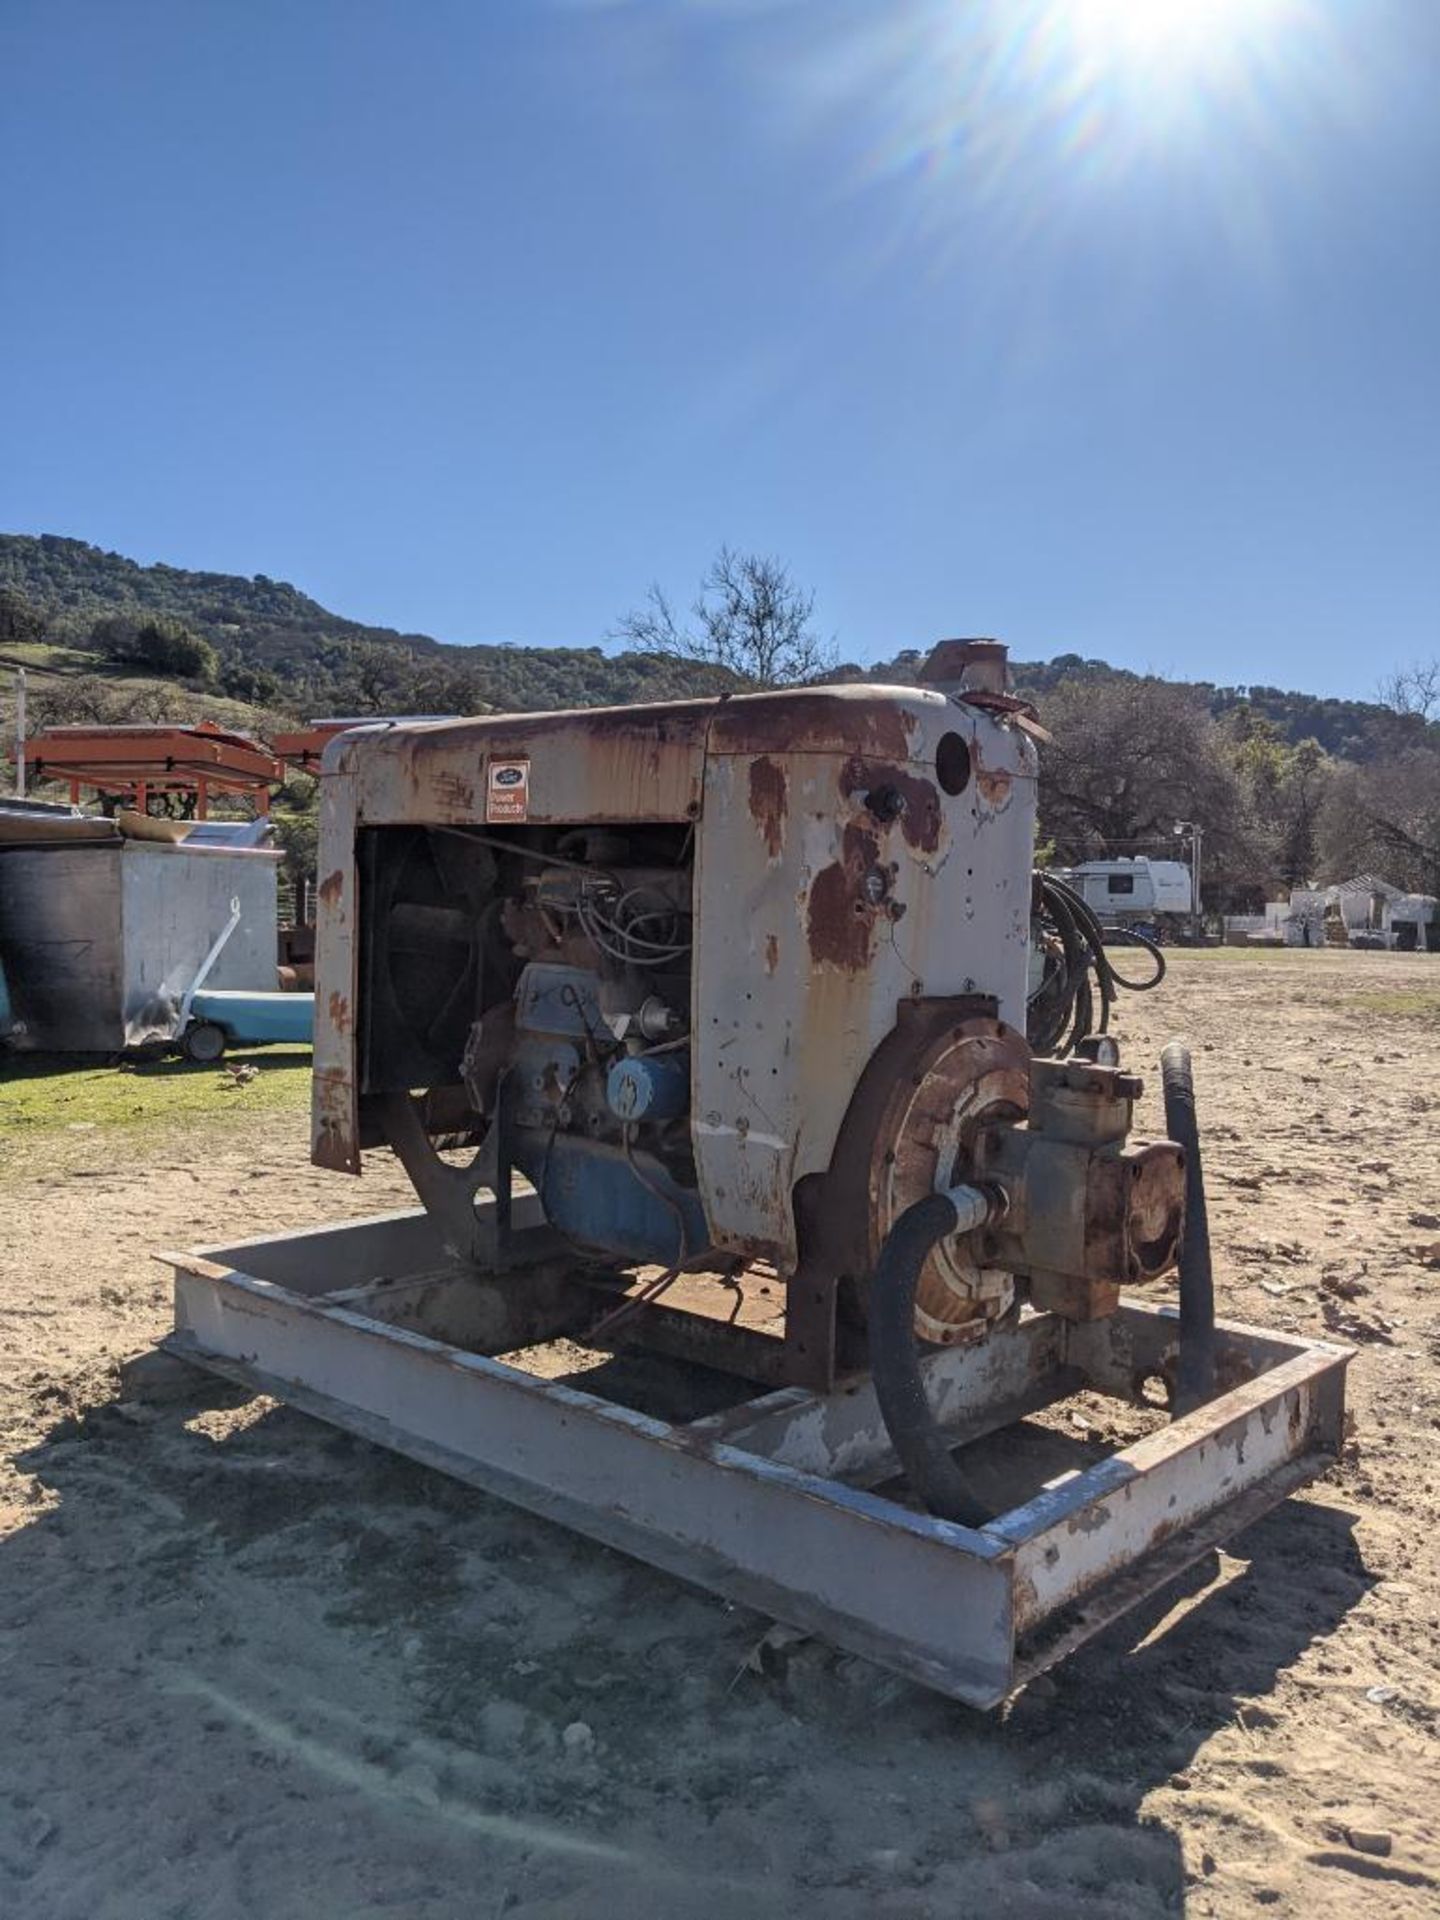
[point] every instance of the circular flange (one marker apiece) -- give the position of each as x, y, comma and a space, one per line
973, 1075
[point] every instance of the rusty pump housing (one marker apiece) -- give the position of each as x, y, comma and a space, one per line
727, 981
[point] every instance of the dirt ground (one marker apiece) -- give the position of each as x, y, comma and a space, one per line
250, 1666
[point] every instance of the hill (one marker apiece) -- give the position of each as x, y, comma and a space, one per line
1287, 786
280, 649
74, 584
1358, 730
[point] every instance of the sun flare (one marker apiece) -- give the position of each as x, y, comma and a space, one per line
1158, 58
1028, 113
1173, 35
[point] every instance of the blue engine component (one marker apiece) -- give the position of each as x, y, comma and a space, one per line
543, 1070
592, 1190
556, 999
649, 1086
592, 1193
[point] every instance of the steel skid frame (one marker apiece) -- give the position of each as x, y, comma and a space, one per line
775, 1501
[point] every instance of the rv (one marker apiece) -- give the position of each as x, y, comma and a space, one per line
1127, 892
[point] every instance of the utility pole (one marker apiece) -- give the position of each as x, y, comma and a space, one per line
1197, 839
20, 733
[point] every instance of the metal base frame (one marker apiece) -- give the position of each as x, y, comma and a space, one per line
772, 1502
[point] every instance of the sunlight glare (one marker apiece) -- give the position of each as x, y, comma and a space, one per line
1169, 38
1017, 110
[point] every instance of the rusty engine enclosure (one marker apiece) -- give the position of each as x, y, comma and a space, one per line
826, 1009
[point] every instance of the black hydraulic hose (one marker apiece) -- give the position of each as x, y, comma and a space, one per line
924, 1452
1132, 937
1095, 937
1195, 1382
1063, 1012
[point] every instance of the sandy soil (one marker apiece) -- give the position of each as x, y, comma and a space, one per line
250, 1666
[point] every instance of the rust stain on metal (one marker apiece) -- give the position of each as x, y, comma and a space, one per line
647, 761
994, 787
919, 812
772, 952
1090, 1519
332, 1090
453, 791
813, 723
768, 802
670, 723
992, 783
840, 921
331, 887
339, 1012
330, 1150
334, 1145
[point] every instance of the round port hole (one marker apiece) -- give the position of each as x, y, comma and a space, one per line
952, 764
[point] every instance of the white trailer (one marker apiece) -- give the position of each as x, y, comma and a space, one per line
1137, 889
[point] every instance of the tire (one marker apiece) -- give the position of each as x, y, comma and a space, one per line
203, 1043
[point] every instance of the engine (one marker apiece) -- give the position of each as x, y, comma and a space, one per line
729, 981
592, 1043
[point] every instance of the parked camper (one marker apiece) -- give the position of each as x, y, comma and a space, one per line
1145, 892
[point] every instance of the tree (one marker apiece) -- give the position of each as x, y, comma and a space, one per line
87, 700
1283, 789
1302, 795
1129, 759
20, 622
254, 685
377, 675
159, 644
364, 677
295, 822
1386, 817
1414, 690
750, 618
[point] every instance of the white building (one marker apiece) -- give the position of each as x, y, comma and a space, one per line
1371, 911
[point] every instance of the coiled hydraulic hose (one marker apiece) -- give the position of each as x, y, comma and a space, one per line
1062, 1010
930, 1467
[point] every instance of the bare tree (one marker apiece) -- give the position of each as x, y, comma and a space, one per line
1414, 690
86, 700
749, 617
1386, 815
1129, 758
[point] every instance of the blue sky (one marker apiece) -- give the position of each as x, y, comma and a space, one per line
1097, 328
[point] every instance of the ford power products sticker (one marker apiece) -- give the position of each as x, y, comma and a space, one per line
507, 792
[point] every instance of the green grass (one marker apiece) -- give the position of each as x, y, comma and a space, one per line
53, 1095
39, 653
1401, 1003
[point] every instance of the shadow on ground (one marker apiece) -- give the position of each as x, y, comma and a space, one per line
254, 1665
146, 1065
